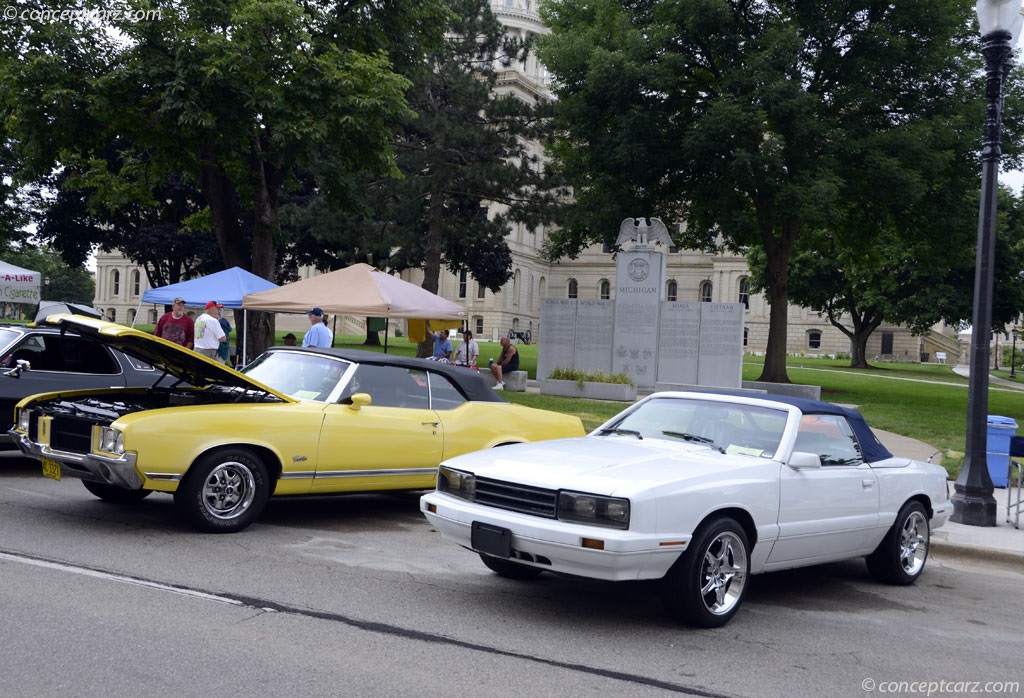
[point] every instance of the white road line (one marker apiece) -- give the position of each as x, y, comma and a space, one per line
84, 571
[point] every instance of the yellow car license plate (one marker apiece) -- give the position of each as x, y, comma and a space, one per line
51, 468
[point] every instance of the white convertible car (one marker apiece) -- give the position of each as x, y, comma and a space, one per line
700, 490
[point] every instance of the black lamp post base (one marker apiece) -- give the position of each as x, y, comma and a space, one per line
973, 510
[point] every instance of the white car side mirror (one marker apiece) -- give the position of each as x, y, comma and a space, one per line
803, 459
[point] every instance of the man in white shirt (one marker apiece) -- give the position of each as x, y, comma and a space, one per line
209, 333
467, 351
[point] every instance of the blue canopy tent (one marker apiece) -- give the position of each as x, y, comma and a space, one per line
227, 287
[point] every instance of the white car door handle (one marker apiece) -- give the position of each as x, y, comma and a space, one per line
868, 483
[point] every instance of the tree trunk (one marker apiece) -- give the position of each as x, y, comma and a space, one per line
372, 338
432, 248
859, 349
266, 181
777, 274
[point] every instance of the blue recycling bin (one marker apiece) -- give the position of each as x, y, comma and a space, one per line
1001, 431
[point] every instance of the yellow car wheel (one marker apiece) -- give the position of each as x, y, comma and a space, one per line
224, 491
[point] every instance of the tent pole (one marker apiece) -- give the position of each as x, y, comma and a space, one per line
386, 320
137, 311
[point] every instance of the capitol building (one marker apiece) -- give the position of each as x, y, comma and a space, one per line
691, 275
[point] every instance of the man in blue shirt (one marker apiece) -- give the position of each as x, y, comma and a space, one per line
318, 335
442, 346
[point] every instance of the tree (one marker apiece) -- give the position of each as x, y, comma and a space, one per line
235, 94
155, 236
755, 123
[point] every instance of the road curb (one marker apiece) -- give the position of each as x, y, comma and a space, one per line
976, 552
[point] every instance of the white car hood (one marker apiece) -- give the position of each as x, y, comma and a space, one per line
609, 465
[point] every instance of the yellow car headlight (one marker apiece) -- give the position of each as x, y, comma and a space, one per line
24, 416
111, 440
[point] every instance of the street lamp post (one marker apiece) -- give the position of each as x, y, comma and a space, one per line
973, 504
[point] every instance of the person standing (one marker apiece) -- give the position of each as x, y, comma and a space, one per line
318, 334
209, 333
176, 326
224, 348
467, 352
507, 362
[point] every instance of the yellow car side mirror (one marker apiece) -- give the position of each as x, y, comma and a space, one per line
359, 400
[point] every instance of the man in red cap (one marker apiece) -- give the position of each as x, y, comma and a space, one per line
209, 333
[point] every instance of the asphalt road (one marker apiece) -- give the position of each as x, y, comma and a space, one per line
358, 596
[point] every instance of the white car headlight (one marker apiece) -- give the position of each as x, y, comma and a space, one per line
593, 509
457, 483
111, 440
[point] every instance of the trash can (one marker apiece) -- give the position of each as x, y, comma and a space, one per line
1000, 431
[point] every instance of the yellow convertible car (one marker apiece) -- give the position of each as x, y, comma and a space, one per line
296, 421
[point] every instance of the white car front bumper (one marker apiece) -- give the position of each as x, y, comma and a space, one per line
558, 546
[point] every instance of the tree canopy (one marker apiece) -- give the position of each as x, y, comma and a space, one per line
757, 124
233, 95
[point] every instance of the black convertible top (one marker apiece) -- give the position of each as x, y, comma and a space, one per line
467, 380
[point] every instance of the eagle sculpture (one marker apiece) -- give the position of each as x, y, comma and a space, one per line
637, 229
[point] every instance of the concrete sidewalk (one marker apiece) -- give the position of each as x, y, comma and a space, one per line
1001, 541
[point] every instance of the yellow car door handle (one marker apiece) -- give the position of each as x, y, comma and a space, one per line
433, 424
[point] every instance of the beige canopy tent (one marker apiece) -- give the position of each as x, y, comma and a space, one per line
359, 290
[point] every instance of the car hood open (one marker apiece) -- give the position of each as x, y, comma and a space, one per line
182, 363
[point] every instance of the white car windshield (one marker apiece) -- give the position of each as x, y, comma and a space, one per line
724, 426
303, 375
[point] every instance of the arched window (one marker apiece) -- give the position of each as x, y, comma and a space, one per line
573, 289
705, 292
745, 292
745, 336
814, 339
115, 281
672, 291
462, 284
136, 282
605, 290
515, 288
543, 287
131, 316
112, 314
152, 316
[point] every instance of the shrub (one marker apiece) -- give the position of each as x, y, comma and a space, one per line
581, 376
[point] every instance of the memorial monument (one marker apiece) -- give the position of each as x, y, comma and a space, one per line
659, 344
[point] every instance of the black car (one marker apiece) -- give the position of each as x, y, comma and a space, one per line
40, 359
